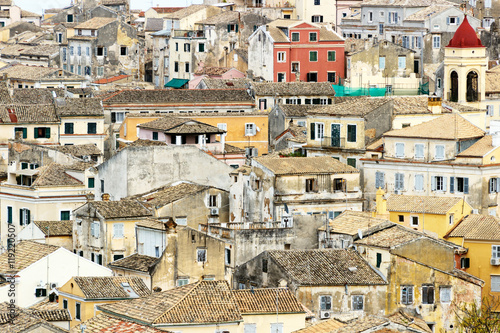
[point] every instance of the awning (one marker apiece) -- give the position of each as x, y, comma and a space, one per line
176, 83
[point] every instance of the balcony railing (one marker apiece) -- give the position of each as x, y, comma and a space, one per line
189, 33
329, 142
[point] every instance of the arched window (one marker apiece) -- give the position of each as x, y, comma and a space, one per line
454, 87
472, 87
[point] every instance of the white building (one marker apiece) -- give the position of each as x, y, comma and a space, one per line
39, 268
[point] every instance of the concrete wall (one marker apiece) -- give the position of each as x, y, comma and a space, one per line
135, 170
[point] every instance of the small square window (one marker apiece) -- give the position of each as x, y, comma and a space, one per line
401, 218
313, 56
295, 36
313, 36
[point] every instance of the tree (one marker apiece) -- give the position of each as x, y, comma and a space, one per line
479, 318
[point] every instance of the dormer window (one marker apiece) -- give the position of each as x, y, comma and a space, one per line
79, 32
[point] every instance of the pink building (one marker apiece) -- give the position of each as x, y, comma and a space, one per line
215, 73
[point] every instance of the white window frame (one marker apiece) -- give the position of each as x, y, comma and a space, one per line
436, 157
423, 150
250, 129
315, 34
296, 34
362, 302
412, 217
118, 231
495, 251
298, 67
281, 56
436, 42
182, 282
396, 149
454, 19
497, 284
321, 303
317, 126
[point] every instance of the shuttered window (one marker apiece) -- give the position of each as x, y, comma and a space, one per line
379, 179
445, 294
357, 302
407, 295
439, 152
419, 150
427, 294
325, 303
351, 133
495, 283
400, 149
399, 181
118, 230
419, 182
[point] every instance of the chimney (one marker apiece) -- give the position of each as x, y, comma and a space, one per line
105, 197
90, 197
381, 204
171, 225
434, 105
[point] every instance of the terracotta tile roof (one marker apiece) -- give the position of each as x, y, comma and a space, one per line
112, 79
452, 127
53, 315
23, 321
78, 150
185, 12
201, 302
361, 325
103, 323
412, 322
120, 209
45, 304
375, 145
406, 3
47, 50
25, 13
28, 114
109, 287
477, 226
135, 262
80, 166
297, 111
54, 175
225, 17
151, 224
80, 107
212, 70
326, 267
226, 84
230, 149
324, 326
95, 23
173, 125
279, 36
165, 10
304, 165
349, 222
428, 12
166, 96
461, 107
167, 194
55, 228
153, 24
421, 204
293, 89
113, 2
27, 253
254, 301
354, 107
492, 82
32, 96
410, 105
146, 143
299, 133
36, 73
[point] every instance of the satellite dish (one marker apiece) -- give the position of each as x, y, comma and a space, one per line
360, 234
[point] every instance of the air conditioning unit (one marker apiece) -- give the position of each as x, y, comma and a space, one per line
495, 261
475, 211
214, 211
397, 192
325, 314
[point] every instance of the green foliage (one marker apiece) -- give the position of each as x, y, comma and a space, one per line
475, 318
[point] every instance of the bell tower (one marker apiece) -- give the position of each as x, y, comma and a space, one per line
465, 65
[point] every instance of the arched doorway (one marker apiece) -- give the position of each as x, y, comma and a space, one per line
454, 87
472, 87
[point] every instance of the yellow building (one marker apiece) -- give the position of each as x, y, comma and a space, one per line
246, 130
433, 215
211, 306
82, 294
105, 230
480, 234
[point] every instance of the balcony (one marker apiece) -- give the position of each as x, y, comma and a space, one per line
188, 34
329, 142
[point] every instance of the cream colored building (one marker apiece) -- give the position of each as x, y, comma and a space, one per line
46, 193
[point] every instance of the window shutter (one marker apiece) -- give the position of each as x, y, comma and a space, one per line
433, 183
458, 20
25, 133
92, 257
444, 184
490, 186
466, 185
448, 21
452, 184
9, 214
228, 28
404, 294
36, 133
21, 216
313, 130
28, 216
410, 294
47, 132
105, 49
498, 185
430, 295
377, 179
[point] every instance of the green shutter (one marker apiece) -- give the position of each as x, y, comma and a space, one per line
28, 216
236, 28
47, 132
229, 28
9, 214
313, 134
91, 183
36, 133
21, 216
25, 132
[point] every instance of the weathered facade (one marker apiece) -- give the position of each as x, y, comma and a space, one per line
273, 189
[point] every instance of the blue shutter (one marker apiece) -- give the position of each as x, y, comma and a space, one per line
458, 20
498, 185
466, 185
448, 21
452, 184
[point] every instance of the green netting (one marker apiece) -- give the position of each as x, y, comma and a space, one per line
347, 91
